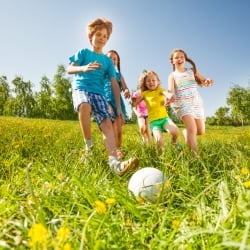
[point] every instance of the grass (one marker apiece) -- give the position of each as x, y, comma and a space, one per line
49, 199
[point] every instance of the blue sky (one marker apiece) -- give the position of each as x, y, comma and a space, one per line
38, 35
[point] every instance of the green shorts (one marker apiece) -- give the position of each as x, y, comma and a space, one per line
160, 124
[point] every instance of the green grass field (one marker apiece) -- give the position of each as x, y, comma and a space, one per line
50, 199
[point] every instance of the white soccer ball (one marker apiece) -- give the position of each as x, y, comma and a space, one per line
147, 183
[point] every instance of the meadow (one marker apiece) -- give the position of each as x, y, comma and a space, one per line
52, 198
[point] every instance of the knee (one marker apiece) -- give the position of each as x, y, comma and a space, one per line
201, 131
142, 129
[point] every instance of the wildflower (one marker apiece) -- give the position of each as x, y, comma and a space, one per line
60, 177
168, 184
173, 168
237, 177
62, 233
38, 234
61, 239
176, 224
30, 200
245, 171
247, 184
67, 247
100, 207
128, 223
140, 200
48, 185
110, 201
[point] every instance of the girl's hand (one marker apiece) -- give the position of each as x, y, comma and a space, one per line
208, 82
133, 101
169, 99
126, 93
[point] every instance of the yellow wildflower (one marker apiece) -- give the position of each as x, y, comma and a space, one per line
100, 207
30, 200
60, 177
245, 171
247, 184
38, 234
168, 184
237, 177
176, 224
140, 200
67, 247
128, 223
110, 201
62, 233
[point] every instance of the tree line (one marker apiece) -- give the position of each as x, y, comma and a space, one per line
237, 111
54, 101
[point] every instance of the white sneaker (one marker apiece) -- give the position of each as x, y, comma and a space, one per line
121, 168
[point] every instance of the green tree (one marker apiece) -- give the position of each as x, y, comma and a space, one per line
44, 100
222, 116
4, 93
62, 96
239, 101
22, 103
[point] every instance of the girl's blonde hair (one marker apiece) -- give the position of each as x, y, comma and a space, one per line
98, 24
197, 79
143, 78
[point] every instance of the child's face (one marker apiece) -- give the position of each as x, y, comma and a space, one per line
113, 57
152, 82
100, 38
178, 58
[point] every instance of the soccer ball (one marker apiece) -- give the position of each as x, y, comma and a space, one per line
147, 184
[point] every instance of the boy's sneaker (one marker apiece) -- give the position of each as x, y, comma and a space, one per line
121, 168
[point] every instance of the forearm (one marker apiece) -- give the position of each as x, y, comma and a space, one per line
74, 69
125, 88
116, 92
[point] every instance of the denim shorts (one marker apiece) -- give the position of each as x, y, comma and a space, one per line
98, 103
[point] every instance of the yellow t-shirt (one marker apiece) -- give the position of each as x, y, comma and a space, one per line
154, 100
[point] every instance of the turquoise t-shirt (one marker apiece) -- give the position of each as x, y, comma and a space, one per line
92, 81
111, 98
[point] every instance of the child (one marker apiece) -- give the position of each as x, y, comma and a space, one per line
153, 95
90, 68
187, 102
141, 112
118, 120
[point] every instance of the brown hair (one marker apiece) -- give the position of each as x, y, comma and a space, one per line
118, 57
97, 24
143, 78
197, 79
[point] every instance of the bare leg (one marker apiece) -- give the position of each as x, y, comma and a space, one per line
173, 130
200, 124
190, 132
148, 132
114, 125
119, 124
108, 137
119, 168
84, 115
158, 138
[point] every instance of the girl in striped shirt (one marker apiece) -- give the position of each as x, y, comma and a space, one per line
186, 100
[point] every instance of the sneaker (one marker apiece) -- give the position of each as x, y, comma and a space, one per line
121, 168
